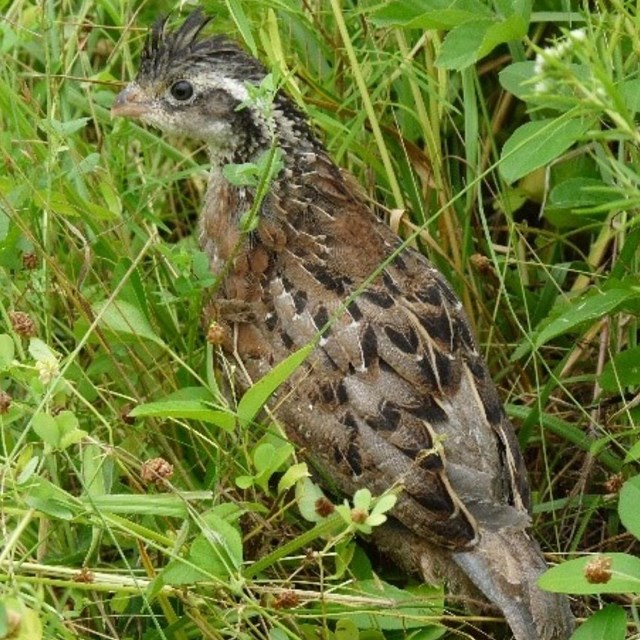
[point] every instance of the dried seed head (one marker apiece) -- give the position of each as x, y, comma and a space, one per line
215, 334
156, 471
359, 516
29, 260
324, 507
598, 570
482, 264
614, 483
84, 575
286, 600
5, 402
23, 324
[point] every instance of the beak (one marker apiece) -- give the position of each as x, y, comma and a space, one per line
130, 103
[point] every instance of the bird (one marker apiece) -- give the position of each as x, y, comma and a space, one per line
394, 394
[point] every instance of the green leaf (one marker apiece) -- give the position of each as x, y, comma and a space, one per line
40, 351
242, 22
254, 399
628, 506
346, 630
387, 607
292, 475
462, 44
586, 308
536, 144
44, 496
216, 552
124, 318
569, 577
7, 350
93, 481
429, 14
580, 192
64, 128
623, 371
46, 427
516, 79
168, 505
610, 623
468, 42
307, 495
186, 410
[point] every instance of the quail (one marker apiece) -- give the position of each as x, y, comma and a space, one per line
395, 393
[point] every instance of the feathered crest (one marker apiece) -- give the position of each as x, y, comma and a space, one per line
164, 52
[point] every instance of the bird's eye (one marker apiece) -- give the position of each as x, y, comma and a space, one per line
181, 90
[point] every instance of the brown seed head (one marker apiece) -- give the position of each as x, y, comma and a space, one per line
29, 260
215, 334
598, 570
324, 507
359, 516
156, 471
5, 402
23, 324
614, 483
286, 600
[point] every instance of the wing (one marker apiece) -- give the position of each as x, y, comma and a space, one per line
396, 393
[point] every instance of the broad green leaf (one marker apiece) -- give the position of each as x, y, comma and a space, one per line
292, 475
516, 78
587, 308
536, 144
254, 399
122, 317
429, 14
580, 192
628, 506
64, 128
7, 350
307, 495
468, 42
40, 351
46, 427
218, 550
623, 371
44, 496
610, 623
633, 454
569, 577
346, 630
462, 44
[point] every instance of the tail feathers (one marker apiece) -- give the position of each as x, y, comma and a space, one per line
504, 566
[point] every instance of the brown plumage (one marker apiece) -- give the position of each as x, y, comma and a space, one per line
396, 393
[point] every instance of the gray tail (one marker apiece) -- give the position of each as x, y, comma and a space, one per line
504, 566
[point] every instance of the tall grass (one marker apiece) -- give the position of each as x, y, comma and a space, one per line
102, 289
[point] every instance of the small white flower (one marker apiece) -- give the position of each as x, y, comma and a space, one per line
578, 35
47, 370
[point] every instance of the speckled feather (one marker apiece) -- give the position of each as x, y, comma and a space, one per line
396, 393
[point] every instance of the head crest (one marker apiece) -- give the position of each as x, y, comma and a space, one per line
183, 49
158, 42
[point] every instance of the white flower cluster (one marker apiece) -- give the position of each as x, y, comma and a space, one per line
547, 56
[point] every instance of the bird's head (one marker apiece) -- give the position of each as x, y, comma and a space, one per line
198, 87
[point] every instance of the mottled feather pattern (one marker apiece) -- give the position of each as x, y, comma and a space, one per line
395, 395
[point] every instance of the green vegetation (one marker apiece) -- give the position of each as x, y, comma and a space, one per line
135, 501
